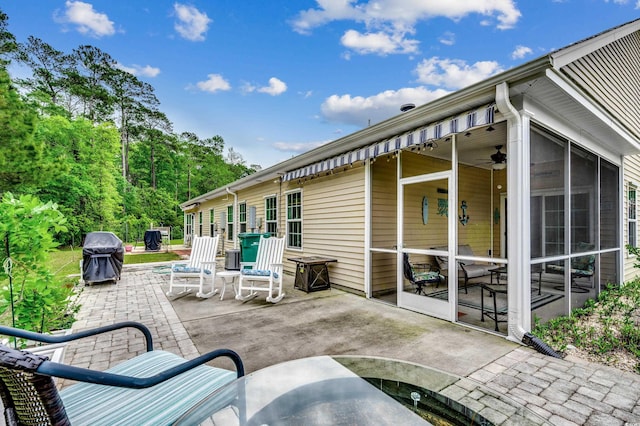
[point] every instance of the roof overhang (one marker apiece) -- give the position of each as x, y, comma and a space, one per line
451, 105
538, 80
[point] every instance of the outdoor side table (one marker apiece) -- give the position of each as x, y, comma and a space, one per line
312, 273
227, 275
494, 313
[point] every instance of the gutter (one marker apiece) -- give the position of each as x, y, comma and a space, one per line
515, 140
517, 270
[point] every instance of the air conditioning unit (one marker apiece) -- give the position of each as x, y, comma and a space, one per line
232, 260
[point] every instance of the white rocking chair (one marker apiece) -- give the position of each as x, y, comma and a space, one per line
201, 265
265, 273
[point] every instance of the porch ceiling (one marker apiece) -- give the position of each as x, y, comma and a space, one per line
476, 148
562, 105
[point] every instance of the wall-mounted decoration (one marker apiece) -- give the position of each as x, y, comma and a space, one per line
443, 207
496, 216
464, 217
425, 210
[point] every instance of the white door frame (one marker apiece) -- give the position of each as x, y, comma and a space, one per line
427, 305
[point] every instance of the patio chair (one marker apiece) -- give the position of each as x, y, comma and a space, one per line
265, 273
581, 267
201, 266
466, 269
154, 388
420, 278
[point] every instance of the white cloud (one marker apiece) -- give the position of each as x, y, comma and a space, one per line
361, 111
444, 74
276, 87
402, 15
248, 88
86, 19
192, 24
637, 5
448, 38
454, 73
138, 70
213, 84
520, 52
297, 146
379, 42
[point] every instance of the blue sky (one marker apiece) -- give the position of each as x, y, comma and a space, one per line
279, 77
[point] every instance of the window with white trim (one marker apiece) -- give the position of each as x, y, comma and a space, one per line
212, 223
230, 223
200, 224
271, 214
242, 216
294, 220
189, 225
632, 220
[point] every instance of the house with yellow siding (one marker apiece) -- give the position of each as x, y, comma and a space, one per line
517, 193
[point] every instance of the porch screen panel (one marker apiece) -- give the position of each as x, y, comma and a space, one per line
431, 156
384, 193
584, 183
609, 202
609, 269
547, 174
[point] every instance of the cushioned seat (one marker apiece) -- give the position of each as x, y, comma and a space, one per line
154, 388
420, 279
581, 267
140, 406
467, 268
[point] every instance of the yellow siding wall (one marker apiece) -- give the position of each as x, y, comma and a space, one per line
384, 193
333, 218
333, 224
473, 187
417, 234
253, 196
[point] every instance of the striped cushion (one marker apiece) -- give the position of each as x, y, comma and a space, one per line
162, 404
188, 269
431, 276
259, 273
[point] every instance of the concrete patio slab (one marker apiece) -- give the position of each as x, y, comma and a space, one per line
563, 391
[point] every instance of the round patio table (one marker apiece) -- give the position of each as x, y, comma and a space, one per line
348, 390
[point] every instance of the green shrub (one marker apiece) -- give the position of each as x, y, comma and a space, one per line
601, 328
32, 297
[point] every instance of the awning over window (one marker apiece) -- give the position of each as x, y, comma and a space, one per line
460, 123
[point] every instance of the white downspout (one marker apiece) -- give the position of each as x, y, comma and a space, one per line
235, 222
518, 190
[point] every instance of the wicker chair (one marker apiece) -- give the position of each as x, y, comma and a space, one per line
153, 388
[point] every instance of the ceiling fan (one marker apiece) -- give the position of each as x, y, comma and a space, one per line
499, 159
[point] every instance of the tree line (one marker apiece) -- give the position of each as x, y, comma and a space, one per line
91, 137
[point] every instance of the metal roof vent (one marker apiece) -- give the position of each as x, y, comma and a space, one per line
407, 107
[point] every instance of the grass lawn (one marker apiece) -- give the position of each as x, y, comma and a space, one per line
67, 261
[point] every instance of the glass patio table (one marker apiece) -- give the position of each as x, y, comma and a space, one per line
348, 390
